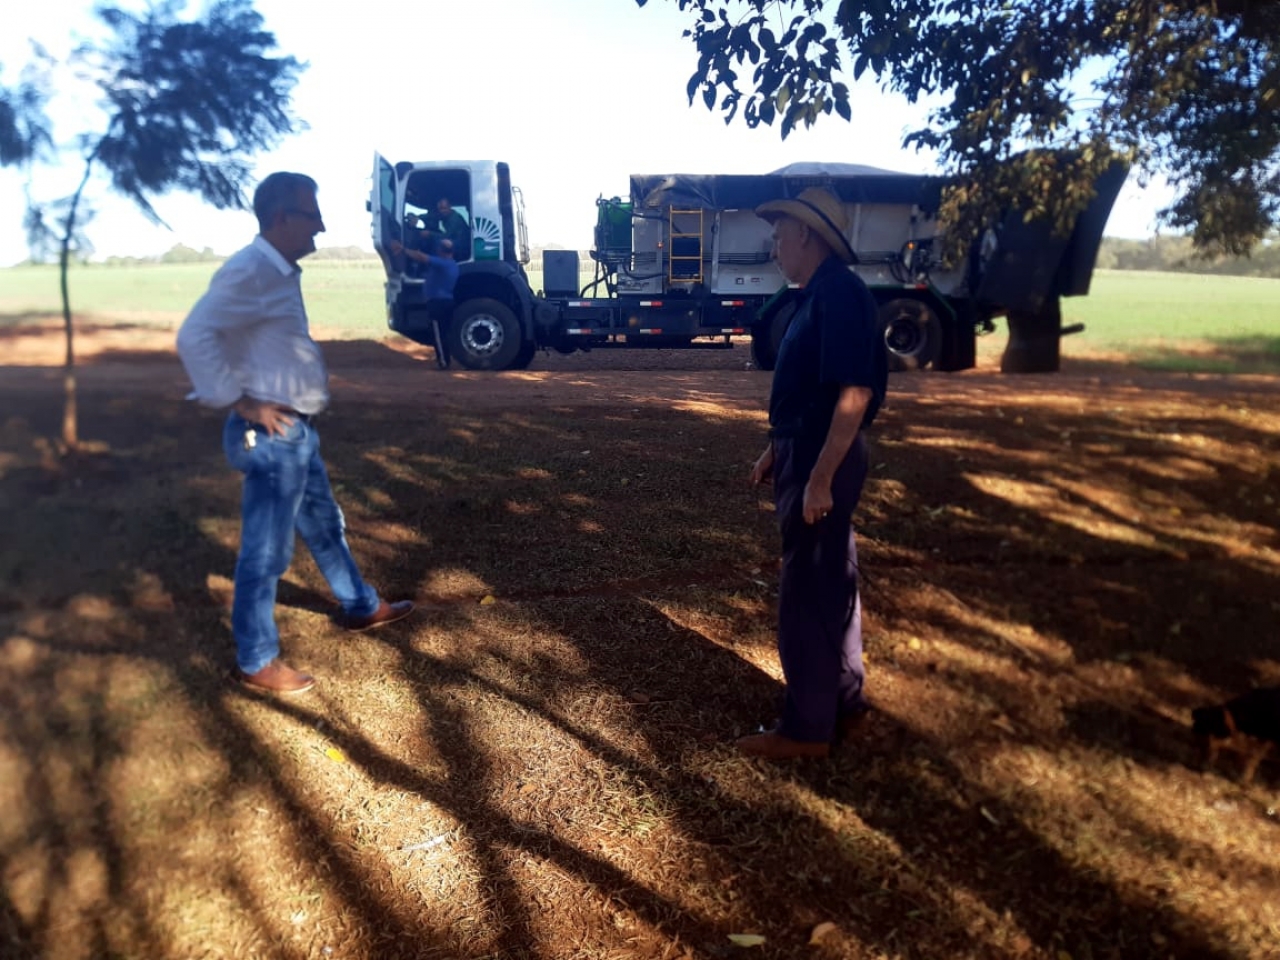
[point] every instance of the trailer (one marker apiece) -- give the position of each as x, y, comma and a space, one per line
683, 262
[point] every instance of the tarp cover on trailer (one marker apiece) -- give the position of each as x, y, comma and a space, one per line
851, 182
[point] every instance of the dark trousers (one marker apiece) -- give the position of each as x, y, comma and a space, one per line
819, 613
440, 312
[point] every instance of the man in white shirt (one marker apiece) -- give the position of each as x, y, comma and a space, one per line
246, 345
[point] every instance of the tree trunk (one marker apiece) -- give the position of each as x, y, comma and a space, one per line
70, 420
70, 416
1035, 341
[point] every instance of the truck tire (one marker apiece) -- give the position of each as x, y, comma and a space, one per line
484, 335
912, 333
525, 356
766, 336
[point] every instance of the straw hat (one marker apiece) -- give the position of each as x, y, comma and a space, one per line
819, 210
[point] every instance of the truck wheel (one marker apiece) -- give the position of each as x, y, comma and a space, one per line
484, 335
912, 333
766, 336
524, 357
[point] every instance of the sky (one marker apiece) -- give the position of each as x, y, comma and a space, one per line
576, 95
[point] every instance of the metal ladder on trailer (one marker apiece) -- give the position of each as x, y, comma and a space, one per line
684, 259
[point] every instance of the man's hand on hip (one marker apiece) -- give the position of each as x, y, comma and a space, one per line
272, 417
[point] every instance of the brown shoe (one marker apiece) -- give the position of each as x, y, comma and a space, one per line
386, 613
277, 677
774, 746
851, 725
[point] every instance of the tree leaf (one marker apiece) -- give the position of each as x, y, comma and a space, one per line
746, 939
821, 931
694, 82
784, 95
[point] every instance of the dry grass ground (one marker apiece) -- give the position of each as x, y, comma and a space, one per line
539, 764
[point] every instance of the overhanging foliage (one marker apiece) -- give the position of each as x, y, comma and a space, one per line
1180, 88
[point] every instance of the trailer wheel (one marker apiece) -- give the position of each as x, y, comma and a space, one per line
766, 337
485, 335
912, 333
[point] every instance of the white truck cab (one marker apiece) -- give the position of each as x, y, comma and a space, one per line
408, 201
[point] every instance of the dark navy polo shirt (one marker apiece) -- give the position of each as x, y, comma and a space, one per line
833, 342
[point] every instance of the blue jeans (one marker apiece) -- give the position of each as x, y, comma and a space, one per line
286, 489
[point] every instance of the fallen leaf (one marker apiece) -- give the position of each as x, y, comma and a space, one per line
914, 643
820, 931
336, 755
488, 599
1004, 724
746, 939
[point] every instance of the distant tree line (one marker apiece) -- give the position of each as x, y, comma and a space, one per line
181, 253
1176, 254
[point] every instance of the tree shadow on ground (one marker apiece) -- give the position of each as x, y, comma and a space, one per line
26, 323
23, 322
1228, 355
559, 736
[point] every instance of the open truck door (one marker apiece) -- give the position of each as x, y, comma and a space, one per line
386, 227
385, 205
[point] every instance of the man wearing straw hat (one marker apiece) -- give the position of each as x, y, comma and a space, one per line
828, 384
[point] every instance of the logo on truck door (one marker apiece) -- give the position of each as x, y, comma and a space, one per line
486, 239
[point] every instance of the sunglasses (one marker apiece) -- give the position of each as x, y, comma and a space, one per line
309, 214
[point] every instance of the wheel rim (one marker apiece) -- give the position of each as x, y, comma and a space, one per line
903, 334
482, 336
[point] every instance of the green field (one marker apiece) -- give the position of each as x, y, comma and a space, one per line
344, 297
1179, 319
1162, 319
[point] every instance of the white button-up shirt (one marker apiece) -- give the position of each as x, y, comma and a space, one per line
248, 336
